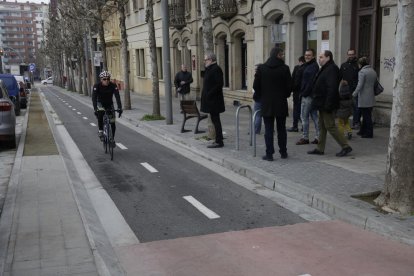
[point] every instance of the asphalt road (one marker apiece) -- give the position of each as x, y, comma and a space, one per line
161, 194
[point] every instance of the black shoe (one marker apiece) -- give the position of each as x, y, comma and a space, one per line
267, 158
367, 136
316, 152
344, 152
360, 133
284, 155
293, 129
215, 146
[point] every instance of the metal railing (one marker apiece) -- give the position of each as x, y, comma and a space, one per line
238, 124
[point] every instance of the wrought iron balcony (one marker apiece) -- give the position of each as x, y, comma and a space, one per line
177, 15
226, 9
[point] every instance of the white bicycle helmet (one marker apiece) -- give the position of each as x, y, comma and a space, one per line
104, 74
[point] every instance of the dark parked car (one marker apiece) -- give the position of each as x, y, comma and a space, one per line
7, 118
13, 88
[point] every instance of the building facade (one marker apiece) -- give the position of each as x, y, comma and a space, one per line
245, 31
21, 32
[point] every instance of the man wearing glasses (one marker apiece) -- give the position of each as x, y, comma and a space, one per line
102, 95
212, 99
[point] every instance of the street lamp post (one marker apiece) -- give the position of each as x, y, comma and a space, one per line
166, 61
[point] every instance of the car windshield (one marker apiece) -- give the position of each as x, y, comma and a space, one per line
10, 83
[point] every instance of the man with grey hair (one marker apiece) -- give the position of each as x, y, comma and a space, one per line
212, 99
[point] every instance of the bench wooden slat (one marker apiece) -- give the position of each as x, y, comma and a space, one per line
190, 110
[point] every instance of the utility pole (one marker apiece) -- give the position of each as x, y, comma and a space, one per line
166, 61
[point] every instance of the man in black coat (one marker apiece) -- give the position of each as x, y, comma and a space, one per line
296, 85
349, 72
212, 99
272, 85
325, 99
182, 82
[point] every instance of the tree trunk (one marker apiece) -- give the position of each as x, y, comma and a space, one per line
86, 66
156, 110
101, 32
124, 54
208, 48
80, 75
93, 74
398, 192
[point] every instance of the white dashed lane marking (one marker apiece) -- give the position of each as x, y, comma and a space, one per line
74, 109
85, 118
199, 206
92, 124
149, 167
119, 145
79, 113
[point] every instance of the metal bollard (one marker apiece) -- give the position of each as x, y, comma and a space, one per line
237, 124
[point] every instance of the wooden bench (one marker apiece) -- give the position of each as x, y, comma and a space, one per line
190, 110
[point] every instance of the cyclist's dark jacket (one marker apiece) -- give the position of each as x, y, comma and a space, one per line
104, 94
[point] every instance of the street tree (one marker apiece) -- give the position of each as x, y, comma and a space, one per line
149, 19
207, 32
398, 192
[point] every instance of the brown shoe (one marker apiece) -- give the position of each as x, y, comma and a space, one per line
302, 141
315, 142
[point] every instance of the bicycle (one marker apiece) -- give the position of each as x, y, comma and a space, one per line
108, 141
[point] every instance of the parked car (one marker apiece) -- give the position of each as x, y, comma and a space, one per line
49, 80
22, 91
13, 88
7, 118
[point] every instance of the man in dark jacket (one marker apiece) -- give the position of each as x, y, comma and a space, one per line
349, 72
309, 73
182, 82
325, 98
296, 85
272, 85
212, 99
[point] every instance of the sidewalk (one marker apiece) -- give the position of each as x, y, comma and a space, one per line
324, 182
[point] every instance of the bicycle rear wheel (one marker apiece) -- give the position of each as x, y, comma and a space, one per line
110, 142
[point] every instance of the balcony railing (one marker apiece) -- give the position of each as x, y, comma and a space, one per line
177, 15
226, 9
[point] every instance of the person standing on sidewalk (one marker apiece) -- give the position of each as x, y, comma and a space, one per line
182, 82
325, 98
366, 97
257, 107
212, 99
345, 109
296, 85
272, 85
349, 72
309, 73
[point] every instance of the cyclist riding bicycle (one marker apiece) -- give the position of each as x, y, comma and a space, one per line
102, 95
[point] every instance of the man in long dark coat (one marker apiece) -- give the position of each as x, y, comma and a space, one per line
272, 85
212, 99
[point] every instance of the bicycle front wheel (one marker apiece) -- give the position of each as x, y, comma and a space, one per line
105, 138
111, 142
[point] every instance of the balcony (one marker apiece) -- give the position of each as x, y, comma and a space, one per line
177, 15
226, 9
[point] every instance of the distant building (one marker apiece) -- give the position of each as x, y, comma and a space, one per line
21, 31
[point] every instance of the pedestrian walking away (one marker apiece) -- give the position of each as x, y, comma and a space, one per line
182, 82
366, 97
309, 73
212, 99
345, 109
272, 86
325, 98
102, 96
296, 85
349, 72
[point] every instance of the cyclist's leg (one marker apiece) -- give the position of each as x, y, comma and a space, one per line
100, 123
113, 130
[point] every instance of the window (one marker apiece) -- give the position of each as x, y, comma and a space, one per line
159, 63
135, 5
140, 4
127, 8
140, 62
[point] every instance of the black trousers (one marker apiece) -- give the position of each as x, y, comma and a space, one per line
100, 123
367, 128
215, 119
269, 123
296, 110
